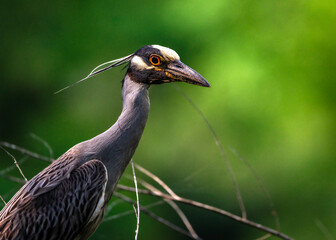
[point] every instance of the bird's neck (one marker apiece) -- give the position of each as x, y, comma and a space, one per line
116, 146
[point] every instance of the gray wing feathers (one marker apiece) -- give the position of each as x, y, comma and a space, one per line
44, 181
60, 213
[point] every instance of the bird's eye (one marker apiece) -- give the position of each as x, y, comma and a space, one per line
155, 60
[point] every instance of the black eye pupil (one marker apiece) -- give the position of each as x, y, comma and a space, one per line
155, 60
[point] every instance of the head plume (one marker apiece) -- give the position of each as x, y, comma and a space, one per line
101, 68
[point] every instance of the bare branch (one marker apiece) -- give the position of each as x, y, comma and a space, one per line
25, 151
45, 143
137, 213
263, 187
113, 217
161, 195
324, 230
221, 150
264, 237
177, 209
136, 216
111, 206
11, 167
171, 203
156, 179
211, 209
184, 219
16, 163
3, 200
152, 215
13, 179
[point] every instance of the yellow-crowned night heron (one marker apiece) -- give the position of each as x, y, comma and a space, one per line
67, 200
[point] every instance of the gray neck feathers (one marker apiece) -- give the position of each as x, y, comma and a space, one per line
116, 146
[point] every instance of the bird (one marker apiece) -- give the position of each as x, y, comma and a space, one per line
67, 200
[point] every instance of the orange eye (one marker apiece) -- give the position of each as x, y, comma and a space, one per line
155, 60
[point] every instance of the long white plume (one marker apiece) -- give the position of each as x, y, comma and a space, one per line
99, 69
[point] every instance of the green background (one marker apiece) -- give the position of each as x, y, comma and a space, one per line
271, 66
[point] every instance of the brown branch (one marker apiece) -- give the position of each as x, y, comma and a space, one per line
3, 200
164, 196
211, 209
25, 151
16, 163
156, 179
13, 179
11, 167
324, 230
177, 209
45, 143
111, 206
221, 150
264, 237
152, 215
263, 187
115, 216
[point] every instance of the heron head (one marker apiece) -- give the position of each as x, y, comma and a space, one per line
154, 64
151, 64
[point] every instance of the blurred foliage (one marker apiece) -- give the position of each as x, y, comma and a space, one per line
271, 65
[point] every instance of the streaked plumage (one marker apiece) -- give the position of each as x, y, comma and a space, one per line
67, 200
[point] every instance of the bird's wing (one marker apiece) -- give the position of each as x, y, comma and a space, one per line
46, 180
60, 213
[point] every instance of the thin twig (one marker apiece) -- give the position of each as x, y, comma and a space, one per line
136, 216
211, 209
111, 206
16, 163
165, 196
126, 213
157, 218
45, 143
324, 230
264, 237
184, 219
137, 201
3, 200
25, 151
13, 179
177, 209
11, 167
263, 187
156, 179
222, 151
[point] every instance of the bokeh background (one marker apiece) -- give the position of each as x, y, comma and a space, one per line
271, 65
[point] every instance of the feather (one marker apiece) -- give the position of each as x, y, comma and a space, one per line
96, 70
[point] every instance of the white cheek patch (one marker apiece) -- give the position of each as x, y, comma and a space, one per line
139, 63
167, 52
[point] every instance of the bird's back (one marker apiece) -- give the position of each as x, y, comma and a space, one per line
61, 202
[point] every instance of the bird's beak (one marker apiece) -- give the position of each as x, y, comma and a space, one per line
178, 71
